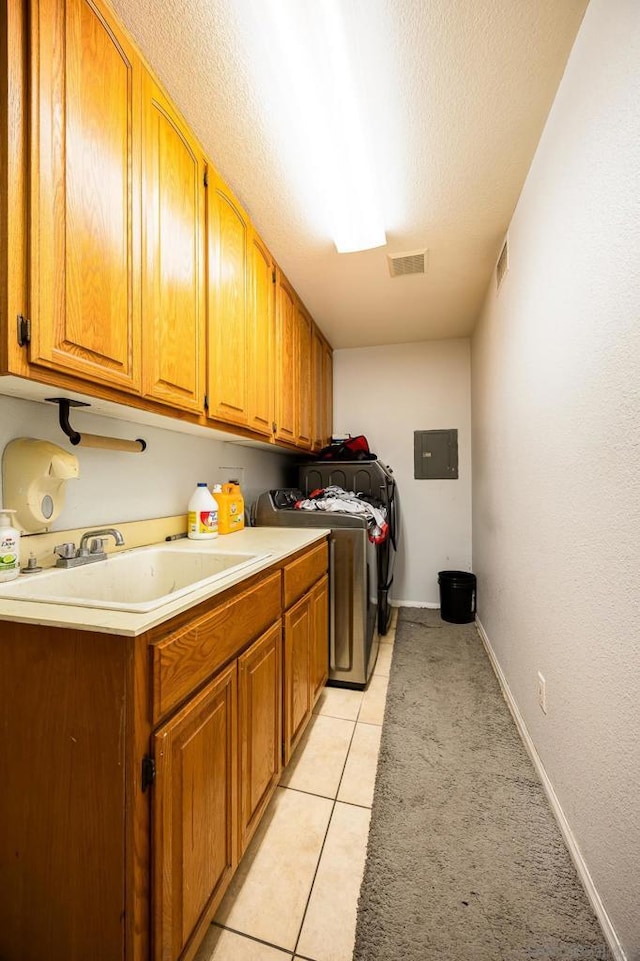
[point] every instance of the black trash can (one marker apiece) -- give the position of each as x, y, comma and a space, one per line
457, 596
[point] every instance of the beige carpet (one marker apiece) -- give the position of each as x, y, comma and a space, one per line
465, 860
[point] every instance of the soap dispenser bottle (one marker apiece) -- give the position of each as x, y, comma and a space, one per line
9, 547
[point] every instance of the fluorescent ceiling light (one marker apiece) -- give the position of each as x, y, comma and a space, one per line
316, 73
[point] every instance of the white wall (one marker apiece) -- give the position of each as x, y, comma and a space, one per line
387, 393
115, 486
556, 427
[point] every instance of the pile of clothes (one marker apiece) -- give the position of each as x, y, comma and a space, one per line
338, 501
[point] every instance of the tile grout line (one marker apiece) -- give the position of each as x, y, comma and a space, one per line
353, 804
277, 947
333, 807
334, 800
356, 720
285, 787
252, 937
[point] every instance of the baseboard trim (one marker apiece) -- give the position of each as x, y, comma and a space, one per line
572, 845
433, 607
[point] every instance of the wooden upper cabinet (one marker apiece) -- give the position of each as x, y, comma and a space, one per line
327, 392
84, 194
139, 276
318, 403
305, 398
322, 403
228, 229
194, 815
173, 291
286, 379
260, 337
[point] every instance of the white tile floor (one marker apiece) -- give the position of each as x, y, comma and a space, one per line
296, 891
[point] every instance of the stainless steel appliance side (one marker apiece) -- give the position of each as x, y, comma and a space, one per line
374, 479
353, 640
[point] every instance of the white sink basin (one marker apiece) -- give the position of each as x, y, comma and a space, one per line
139, 580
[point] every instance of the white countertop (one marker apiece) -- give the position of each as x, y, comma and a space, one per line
278, 542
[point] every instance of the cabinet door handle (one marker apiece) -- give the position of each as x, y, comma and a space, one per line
148, 772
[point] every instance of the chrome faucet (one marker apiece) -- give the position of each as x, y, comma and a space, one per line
103, 532
68, 556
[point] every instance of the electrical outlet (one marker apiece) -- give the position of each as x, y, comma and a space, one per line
542, 693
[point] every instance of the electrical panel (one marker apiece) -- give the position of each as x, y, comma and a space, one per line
435, 454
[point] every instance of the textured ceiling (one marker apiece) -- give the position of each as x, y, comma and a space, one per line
454, 95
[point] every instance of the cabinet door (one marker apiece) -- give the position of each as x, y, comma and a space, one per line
173, 264
65, 891
286, 380
227, 227
327, 393
194, 815
319, 659
85, 194
305, 392
318, 399
322, 401
260, 339
297, 653
260, 727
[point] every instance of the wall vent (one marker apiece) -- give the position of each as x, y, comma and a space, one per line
413, 262
503, 263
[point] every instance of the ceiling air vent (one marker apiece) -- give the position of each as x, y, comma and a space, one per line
503, 263
414, 262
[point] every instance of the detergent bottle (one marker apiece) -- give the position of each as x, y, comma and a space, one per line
230, 507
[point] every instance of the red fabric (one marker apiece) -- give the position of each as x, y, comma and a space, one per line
353, 448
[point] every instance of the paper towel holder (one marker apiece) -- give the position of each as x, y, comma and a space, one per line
92, 440
34, 476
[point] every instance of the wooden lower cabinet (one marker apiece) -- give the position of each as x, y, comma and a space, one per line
64, 773
306, 661
260, 723
319, 660
135, 770
297, 658
194, 816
